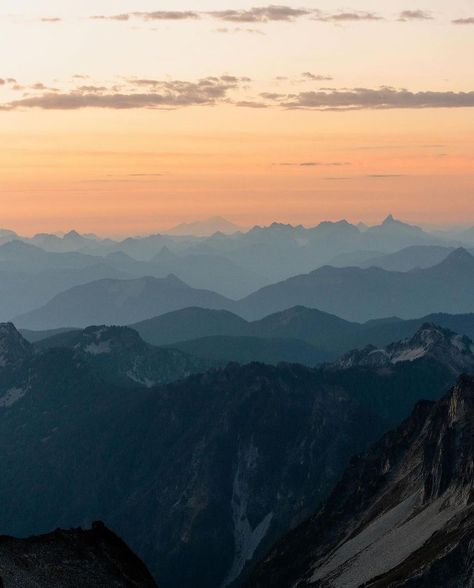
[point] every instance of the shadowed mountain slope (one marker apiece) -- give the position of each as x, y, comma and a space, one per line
200, 476
119, 302
402, 515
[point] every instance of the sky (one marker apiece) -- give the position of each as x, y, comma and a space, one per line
131, 116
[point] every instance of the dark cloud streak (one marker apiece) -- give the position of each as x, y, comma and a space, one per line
464, 21
384, 98
408, 15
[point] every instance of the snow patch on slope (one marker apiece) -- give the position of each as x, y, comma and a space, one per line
246, 539
100, 348
12, 396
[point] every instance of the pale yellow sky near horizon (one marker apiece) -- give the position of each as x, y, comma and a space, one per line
248, 144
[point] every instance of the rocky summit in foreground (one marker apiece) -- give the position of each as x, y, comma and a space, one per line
94, 558
402, 515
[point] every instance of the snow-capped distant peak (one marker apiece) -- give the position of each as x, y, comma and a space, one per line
456, 351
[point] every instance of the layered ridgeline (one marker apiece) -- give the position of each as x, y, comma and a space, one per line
200, 476
94, 558
402, 515
119, 302
115, 355
35, 270
32, 276
363, 294
353, 293
224, 335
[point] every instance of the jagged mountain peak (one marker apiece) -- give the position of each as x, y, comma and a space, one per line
13, 347
165, 255
391, 223
430, 340
73, 234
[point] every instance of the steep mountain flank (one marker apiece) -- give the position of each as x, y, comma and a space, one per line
402, 515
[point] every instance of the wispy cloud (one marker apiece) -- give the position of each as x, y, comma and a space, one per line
307, 75
256, 14
261, 14
464, 21
250, 104
51, 19
151, 16
157, 94
315, 164
150, 93
352, 16
407, 15
383, 98
238, 30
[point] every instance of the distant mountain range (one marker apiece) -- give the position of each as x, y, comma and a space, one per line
205, 228
402, 514
352, 293
34, 270
93, 558
31, 276
202, 475
119, 302
364, 294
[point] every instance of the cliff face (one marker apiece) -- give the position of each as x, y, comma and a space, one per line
95, 558
402, 515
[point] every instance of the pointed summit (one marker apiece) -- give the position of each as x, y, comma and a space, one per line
389, 220
458, 262
165, 255
459, 256
72, 235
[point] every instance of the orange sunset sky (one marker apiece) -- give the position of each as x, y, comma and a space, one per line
130, 116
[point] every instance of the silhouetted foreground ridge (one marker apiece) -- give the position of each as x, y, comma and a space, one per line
94, 558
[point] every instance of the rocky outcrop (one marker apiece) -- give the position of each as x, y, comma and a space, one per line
94, 558
430, 341
402, 515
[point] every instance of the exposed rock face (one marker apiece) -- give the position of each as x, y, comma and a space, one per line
13, 347
402, 515
453, 350
94, 558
